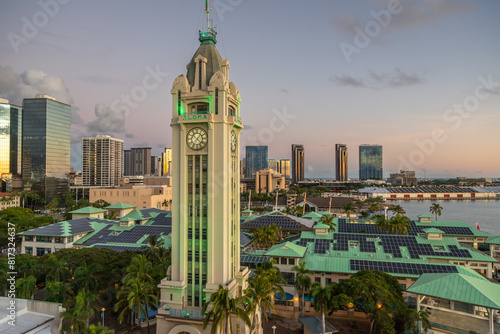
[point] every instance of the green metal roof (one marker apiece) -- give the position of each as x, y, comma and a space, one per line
311, 215
433, 230
286, 249
480, 233
493, 240
325, 213
247, 211
459, 287
321, 225
424, 216
88, 210
274, 213
120, 206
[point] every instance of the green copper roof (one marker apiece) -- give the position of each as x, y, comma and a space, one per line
480, 233
459, 287
208, 51
247, 211
493, 240
120, 206
311, 215
325, 213
424, 216
286, 249
433, 230
88, 210
321, 225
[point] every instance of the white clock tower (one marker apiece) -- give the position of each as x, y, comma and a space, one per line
206, 128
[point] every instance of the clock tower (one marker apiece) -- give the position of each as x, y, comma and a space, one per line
206, 128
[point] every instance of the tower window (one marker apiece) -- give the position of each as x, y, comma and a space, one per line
197, 109
199, 74
216, 101
179, 110
231, 111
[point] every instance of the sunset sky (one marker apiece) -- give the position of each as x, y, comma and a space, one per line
421, 78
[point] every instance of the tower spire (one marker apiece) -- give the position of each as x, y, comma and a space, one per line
208, 36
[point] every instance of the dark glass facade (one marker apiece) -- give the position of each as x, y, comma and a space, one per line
256, 159
46, 146
370, 162
297, 163
10, 138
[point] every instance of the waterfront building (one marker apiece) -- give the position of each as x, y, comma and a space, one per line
370, 162
102, 161
206, 128
431, 193
46, 136
166, 160
10, 138
403, 178
255, 160
297, 163
341, 162
285, 168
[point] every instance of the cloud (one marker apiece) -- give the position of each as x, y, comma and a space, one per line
95, 79
347, 80
129, 135
310, 168
108, 120
394, 79
143, 144
283, 90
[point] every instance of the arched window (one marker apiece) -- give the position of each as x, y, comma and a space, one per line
216, 101
179, 103
198, 108
199, 74
231, 111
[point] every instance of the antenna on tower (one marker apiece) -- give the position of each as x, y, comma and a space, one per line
208, 36
207, 10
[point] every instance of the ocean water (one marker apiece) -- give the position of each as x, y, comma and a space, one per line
484, 213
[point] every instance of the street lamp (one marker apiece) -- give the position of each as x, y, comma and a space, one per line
102, 315
274, 329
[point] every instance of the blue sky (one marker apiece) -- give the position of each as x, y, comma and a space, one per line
421, 78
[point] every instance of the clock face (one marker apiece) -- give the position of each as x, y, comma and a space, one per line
197, 139
233, 141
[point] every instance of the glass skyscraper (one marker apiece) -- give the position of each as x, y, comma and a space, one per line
370, 162
46, 145
297, 163
10, 138
256, 159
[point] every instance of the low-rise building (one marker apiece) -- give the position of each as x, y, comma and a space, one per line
403, 178
9, 200
140, 196
268, 181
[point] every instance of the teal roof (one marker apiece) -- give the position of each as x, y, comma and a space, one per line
142, 214
433, 230
311, 215
424, 216
70, 227
321, 225
459, 287
325, 213
120, 206
493, 240
88, 210
480, 233
247, 211
286, 249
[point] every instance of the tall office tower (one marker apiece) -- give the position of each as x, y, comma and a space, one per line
102, 161
141, 161
205, 193
273, 164
370, 162
46, 145
256, 159
297, 163
284, 168
166, 158
156, 166
10, 138
128, 166
341, 162
243, 167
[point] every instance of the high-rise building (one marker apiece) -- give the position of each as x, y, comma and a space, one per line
156, 166
273, 164
10, 138
102, 161
297, 163
206, 199
341, 162
284, 168
166, 160
370, 162
256, 159
137, 161
46, 145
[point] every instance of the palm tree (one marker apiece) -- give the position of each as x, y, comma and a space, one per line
381, 222
328, 221
259, 294
57, 291
165, 203
26, 286
302, 281
399, 224
348, 209
436, 209
136, 295
222, 308
141, 269
78, 312
153, 245
85, 278
322, 296
373, 208
398, 210
99, 329
416, 321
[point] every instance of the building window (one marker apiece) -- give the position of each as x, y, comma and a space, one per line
283, 260
43, 239
59, 240
216, 101
70, 239
43, 251
28, 238
291, 262
231, 112
199, 74
28, 250
179, 101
